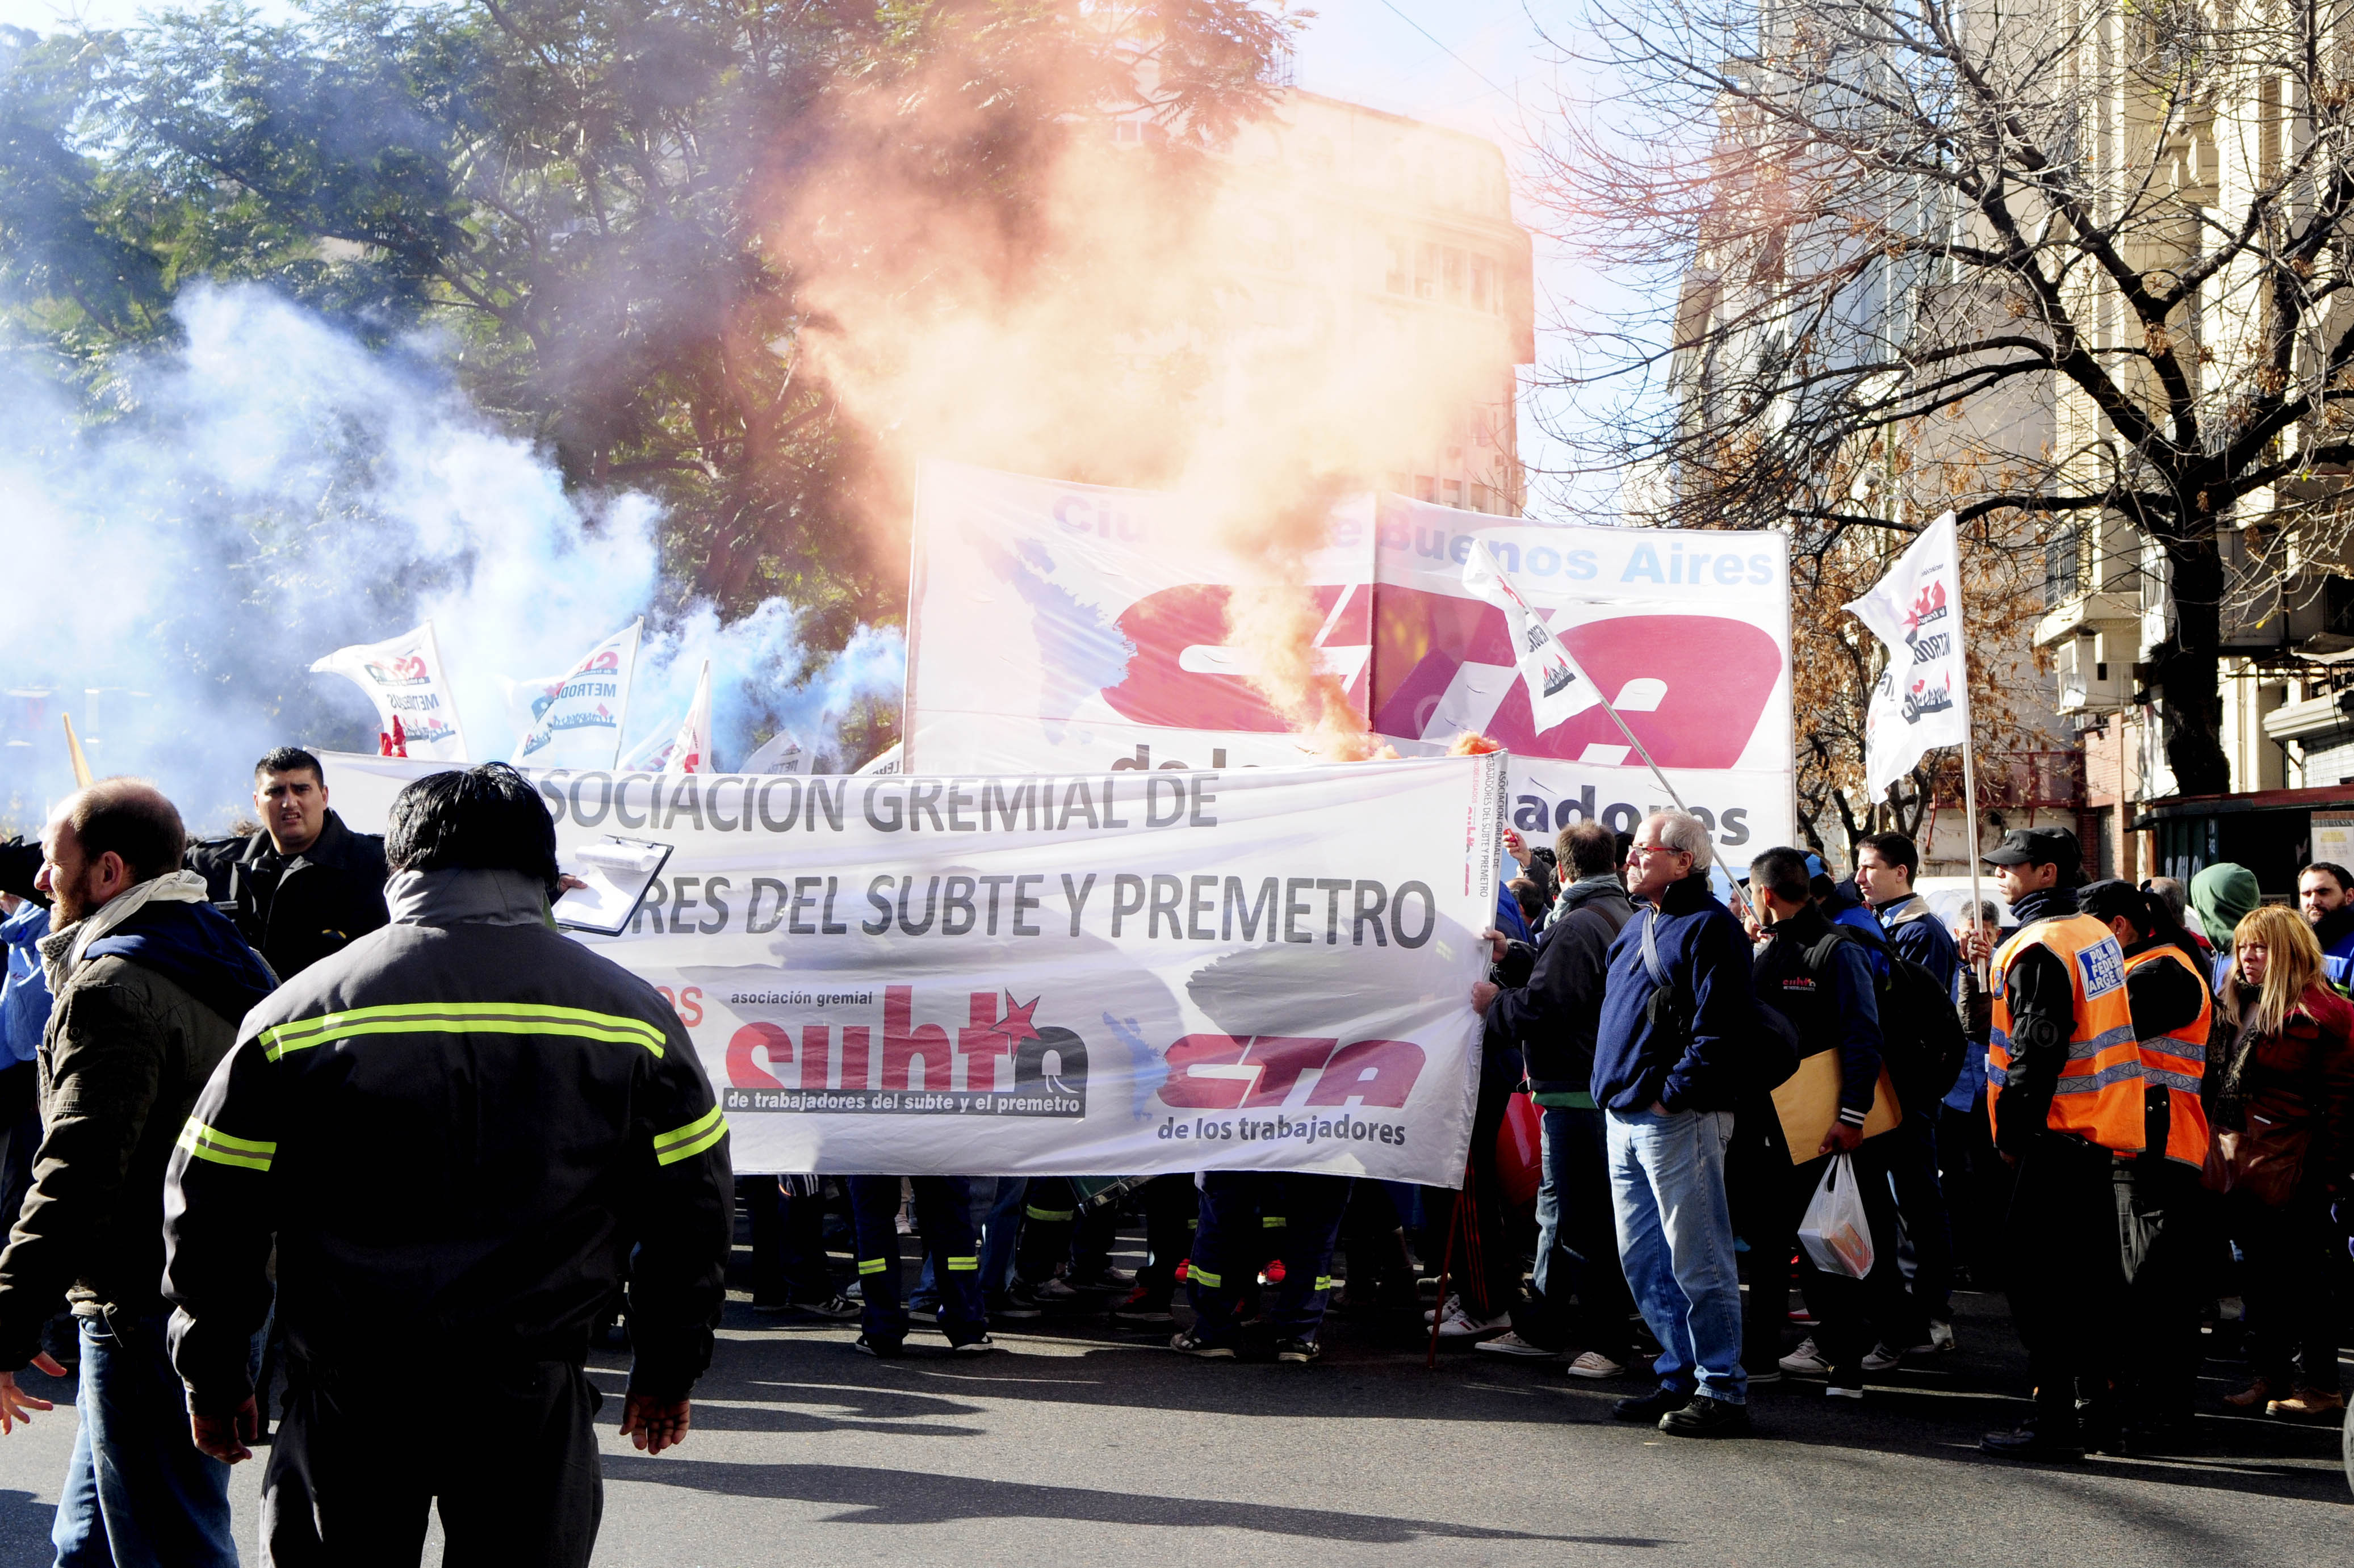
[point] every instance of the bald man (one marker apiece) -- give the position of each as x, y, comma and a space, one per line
151, 982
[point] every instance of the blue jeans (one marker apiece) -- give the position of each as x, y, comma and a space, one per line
1675, 1242
1912, 1159
137, 1493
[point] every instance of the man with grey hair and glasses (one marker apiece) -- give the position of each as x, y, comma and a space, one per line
1678, 1015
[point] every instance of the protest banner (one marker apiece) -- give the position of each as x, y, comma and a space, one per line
1096, 974
1057, 626
403, 677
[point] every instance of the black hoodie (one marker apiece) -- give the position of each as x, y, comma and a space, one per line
1552, 1018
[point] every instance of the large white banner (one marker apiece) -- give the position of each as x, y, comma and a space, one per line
402, 676
1067, 626
1100, 973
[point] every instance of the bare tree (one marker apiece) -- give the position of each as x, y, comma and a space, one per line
2086, 261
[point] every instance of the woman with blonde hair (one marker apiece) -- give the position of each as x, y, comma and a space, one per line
2282, 1111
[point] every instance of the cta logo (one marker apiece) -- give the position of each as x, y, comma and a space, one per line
408, 671
1692, 687
1422, 664
1261, 1072
996, 1063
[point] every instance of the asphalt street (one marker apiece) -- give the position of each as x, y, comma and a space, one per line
1080, 1444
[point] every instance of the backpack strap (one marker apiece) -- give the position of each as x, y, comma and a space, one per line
1658, 970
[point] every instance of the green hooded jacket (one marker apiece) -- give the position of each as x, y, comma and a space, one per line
2222, 895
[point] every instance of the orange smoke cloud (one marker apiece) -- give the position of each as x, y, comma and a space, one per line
1142, 299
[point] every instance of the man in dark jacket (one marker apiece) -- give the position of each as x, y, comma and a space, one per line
457, 1134
2321, 897
1679, 1021
305, 884
1552, 1022
2058, 982
1820, 977
1886, 864
149, 983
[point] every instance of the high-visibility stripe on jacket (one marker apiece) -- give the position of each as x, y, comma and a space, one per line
2173, 1063
2099, 1093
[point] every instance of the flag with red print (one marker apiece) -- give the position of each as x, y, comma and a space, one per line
403, 677
1558, 689
690, 750
1922, 699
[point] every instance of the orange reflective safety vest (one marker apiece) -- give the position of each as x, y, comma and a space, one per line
2172, 1064
2099, 1095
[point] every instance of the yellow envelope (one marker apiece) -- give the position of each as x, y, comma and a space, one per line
1808, 1104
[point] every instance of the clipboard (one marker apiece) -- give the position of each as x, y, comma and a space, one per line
618, 873
1808, 1103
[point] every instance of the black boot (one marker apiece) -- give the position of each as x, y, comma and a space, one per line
1707, 1417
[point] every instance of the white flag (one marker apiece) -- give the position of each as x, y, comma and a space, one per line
579, 724
402, 675
780, 753
1558, 689
1923, 697
690, 750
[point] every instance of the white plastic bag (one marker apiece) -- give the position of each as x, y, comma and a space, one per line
1834, 1232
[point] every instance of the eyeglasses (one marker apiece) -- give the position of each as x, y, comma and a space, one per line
1656, 849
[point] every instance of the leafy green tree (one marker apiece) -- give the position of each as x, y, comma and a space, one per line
577, 190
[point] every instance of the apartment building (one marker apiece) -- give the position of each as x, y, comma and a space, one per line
1354, 233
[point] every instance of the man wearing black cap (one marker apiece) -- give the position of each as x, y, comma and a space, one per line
2063, 1074
2159, 1199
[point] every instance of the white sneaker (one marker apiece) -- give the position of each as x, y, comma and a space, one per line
1883, 1359
1837, 1391
1593, 1363
1462, 1326
1513, 1345
1450, 1308
1941, 1337
1805, 1362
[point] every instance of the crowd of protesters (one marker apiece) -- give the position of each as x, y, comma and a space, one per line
2129, 1108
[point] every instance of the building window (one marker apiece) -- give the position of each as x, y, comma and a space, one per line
1455, 493
1452, 263
1401, 274
2063, 569
1483, 429
1426, 488
1425, 270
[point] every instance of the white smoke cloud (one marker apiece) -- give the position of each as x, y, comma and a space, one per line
274, 489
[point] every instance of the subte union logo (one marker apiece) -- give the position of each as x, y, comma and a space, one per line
994, 1066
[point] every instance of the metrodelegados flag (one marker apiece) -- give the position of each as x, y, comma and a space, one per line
403, 677
577, 724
